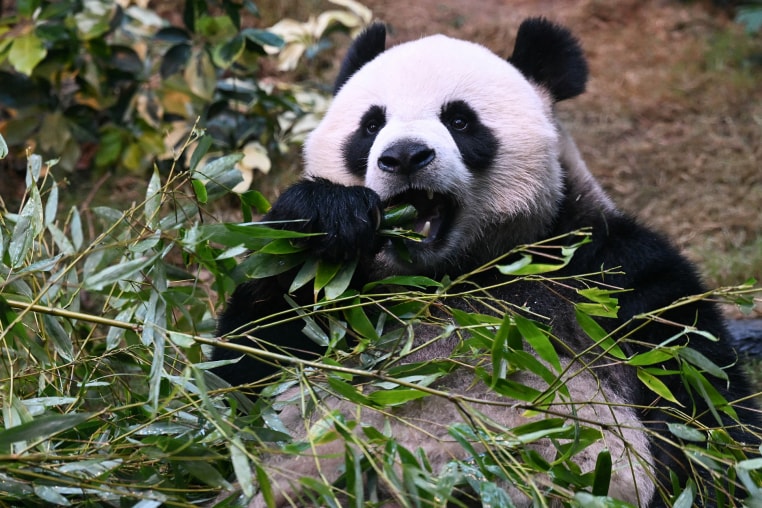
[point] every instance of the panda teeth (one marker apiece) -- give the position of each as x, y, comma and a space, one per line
430, 194
426, 229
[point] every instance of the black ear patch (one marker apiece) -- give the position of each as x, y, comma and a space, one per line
367, 46
549, 55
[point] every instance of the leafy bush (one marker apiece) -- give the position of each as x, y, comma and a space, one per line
101, 86
106, 396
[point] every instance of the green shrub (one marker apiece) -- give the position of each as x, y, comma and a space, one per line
110, 88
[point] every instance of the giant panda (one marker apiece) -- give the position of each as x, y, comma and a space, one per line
471, 140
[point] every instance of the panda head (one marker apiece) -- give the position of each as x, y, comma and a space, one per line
466, 137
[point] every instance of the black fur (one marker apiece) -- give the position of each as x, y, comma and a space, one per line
349, 218
476, 142
549, 55
367, 46
357, 147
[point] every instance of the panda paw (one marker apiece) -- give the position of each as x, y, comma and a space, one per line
348, 216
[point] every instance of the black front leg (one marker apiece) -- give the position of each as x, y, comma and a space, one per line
349, 217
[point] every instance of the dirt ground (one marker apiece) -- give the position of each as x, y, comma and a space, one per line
671, 122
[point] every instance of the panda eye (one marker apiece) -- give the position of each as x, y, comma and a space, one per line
459, 123
372, 126
373, 121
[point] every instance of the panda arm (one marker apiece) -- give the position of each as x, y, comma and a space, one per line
248, 321
349, 218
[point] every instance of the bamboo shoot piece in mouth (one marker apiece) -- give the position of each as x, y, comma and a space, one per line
400, 221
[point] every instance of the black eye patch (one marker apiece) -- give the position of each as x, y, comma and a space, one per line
476, 142
357, 146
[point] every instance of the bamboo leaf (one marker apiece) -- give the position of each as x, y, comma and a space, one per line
538, 337
656, 385
75, 226
697, 359
687, 433
598, 334
396, 397
60, 337
326, 271
241, 466
305, 274
116, 273
340, 282
358, 320
602, 474
153, 199
42, 428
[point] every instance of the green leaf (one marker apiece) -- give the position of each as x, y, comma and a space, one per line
685, 432
539, 338
216, 28
263, 37
199, 189
8, 316
358, 320
241, 466
263, 230
41, 428
224, 54
117, 273
265, 485
26, 52
51, 207
282, 246
218, 167
602, 474
28, 225
415, 281
200, 75
395, 397
348, 392
75, 226
153, 199
340, 282
60, 337
305, 274
204, 143
604, 304
702, 362
3, 147
260, 265
686, 497
94, 20
325, 272
656, 385
598, 334
653, 357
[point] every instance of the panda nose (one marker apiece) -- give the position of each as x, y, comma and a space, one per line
405, 157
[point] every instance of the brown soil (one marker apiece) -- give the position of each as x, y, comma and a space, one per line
671, 122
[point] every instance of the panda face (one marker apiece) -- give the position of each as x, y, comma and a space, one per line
441, 124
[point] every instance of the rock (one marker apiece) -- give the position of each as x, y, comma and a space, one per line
746, 335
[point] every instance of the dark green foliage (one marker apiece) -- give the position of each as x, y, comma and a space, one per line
99, 86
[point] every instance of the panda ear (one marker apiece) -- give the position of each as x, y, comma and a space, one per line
367, 46
550, 56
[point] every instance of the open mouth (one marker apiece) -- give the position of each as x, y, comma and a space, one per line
434, 212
